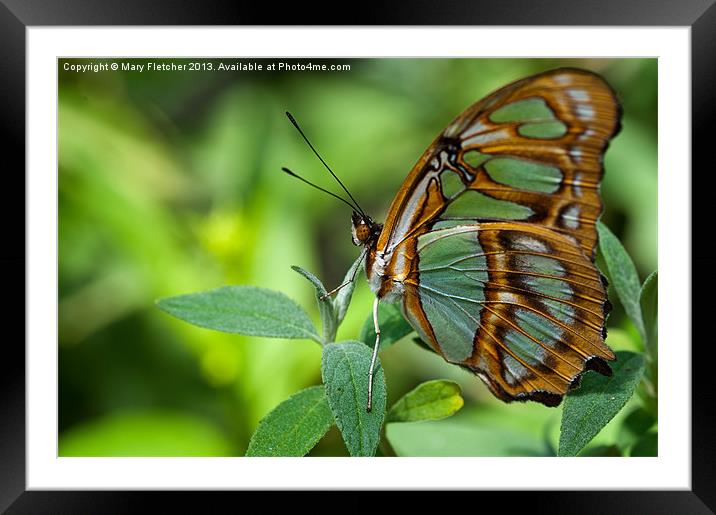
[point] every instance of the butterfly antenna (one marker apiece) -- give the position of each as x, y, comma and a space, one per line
292, 174
295, 124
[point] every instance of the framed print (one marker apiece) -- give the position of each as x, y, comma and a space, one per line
203, 202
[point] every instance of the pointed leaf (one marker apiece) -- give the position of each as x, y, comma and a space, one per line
393, 326
431, 400
344, 369
244, 310
320, 289
623, 274
589, 408
325, 306
293, 427
648, 300
344, 295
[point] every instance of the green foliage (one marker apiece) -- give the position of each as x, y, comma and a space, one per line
589, 408
393, 326
345, 373
431, 400
623, 275
648, 302
332, 309
297, 424
294, 426
325, 305
243, 310
345, 294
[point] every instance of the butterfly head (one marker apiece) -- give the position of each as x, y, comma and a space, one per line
364, 230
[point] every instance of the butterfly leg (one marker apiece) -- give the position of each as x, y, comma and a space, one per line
375, 355
334, 290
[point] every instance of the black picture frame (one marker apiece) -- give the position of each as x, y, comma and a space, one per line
16, 16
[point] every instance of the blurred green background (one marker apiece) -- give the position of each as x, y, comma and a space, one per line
170, 183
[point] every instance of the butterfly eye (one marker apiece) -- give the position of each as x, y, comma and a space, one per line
361, 232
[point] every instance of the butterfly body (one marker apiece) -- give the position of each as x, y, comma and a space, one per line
488, 246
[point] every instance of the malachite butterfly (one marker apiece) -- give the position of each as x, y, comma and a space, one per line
489, 244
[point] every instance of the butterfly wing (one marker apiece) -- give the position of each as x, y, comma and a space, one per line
532, 151
509, 190
517, 304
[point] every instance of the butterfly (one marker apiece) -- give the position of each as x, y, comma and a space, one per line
489, 244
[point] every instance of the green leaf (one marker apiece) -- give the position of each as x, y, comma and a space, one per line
325, 306
589, 408
344, 295
393, 326
244, 310
431, 400
320, 289
647, 446
344, 369
648, 301
623, 274
293, 427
